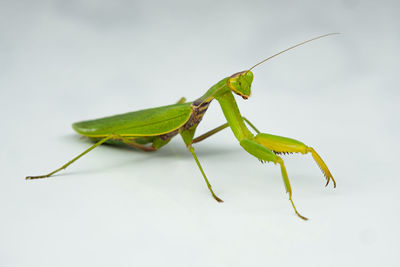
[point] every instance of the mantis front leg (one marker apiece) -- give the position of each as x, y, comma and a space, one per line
266, 146
264, 154
255, 145
280, 144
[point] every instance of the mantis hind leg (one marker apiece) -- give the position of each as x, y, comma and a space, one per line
134, 142
279, 145
71, 161
264, 154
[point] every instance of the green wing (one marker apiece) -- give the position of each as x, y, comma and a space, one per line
147, 122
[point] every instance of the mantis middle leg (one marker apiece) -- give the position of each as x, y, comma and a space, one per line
187, 137
220, 128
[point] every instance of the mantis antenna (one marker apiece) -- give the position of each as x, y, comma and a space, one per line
287, 49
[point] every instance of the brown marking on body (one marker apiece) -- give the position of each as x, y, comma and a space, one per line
197, 114
237, 74
199, 108
132, 143
169, 135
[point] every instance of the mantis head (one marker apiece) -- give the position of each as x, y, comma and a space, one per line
240, 83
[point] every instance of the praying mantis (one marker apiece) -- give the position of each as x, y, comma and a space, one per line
151, 129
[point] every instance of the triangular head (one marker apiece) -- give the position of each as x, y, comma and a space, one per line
240, 83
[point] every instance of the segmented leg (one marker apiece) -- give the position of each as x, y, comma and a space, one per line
143, 147
71, 161
264, 154
131, 142
191, 149
209, 133
220, 128
279, 144
251, 125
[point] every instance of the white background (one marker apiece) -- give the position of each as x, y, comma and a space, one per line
66, 61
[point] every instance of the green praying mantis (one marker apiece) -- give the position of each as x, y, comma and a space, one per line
151, 129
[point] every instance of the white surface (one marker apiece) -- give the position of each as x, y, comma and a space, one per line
65, 61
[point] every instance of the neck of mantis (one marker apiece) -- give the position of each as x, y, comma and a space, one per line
224, 96
215, 90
